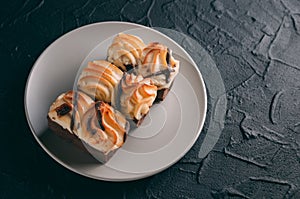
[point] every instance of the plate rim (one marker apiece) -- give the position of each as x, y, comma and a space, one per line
137, 175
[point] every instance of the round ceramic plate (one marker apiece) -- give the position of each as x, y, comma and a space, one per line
167, 133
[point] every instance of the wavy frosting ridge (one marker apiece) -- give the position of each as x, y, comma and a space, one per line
98, 79
125, 51
103, 127
158, 63
135, 96
68, 108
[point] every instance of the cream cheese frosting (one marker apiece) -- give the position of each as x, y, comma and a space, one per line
158, 64
125, 51
98, 79
135, 96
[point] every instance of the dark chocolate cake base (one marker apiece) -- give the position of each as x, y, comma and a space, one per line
65, 134
140, 121
72, 138
161, 95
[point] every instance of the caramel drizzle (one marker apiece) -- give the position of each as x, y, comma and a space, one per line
75, 96
167, 72
99, 116
118, 93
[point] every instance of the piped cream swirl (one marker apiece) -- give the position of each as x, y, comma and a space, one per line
125, 51
98, 79
135, 96
158, 64
68, 108
103, 127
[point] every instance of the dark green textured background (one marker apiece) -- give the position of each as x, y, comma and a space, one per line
255, 45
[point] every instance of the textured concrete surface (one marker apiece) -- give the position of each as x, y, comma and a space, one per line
256, 46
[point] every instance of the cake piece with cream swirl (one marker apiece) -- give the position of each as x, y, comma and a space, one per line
95, 127
103, 129
99, 79
67, 114
158, 64
125, 51
134, 97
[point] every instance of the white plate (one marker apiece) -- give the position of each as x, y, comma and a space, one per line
168, 132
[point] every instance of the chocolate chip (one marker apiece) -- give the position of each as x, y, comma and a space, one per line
63, 109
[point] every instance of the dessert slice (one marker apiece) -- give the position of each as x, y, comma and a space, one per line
94, 127
99, 79
103, 130
134, 97
125, 51
158, 64
62, 117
